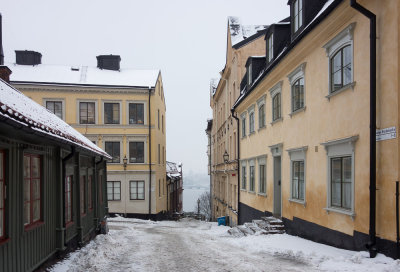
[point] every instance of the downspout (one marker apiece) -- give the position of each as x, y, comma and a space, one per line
371, 245
238, 164
149, 153
96, 175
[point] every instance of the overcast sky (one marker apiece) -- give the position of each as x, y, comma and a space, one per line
185, 39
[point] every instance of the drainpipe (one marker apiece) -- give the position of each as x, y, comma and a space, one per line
238, 163
371, 245
149, 153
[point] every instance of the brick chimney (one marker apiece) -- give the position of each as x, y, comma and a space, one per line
5, 72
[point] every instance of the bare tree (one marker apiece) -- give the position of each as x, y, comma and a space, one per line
204, 205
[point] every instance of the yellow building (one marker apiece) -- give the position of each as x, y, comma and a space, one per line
121, 110
242, 42
305, 125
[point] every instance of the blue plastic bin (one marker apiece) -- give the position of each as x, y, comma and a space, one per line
221, 221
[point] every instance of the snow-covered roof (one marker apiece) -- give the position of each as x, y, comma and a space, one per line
16, 106
213, 85
240, 32
82, 75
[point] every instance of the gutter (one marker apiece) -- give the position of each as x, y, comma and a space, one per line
149, 153
238, 160
371, 245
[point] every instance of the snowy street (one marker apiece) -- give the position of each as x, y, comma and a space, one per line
190, 245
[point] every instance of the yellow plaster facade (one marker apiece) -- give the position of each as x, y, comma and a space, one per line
329, 126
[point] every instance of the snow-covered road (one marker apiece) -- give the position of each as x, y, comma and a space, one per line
190, 245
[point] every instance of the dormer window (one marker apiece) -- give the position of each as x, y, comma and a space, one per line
270, 47
249, 75
297, 14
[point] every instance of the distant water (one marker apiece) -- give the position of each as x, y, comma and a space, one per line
190, 197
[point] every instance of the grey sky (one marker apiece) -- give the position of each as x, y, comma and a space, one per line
185, 39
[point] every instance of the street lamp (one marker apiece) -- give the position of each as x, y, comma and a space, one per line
125, 160
226, 157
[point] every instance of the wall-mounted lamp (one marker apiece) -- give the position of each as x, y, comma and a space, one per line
226, 157
125, 160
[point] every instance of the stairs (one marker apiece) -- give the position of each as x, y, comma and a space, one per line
265, 225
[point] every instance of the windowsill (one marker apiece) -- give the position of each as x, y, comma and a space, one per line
243, 190
33, 226
243, 136
342, 211
114, 200
252, 192
112, 124
4, 241
297, 111
253, 132
344, 88
277, 120
138, 199
298, 201
261, 128
262, 194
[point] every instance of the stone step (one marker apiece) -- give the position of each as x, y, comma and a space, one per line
265, 225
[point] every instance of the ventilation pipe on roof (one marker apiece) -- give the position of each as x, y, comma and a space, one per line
371, 245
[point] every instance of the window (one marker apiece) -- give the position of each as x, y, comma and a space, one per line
251, 121
275, 93
276, 107
297, 14
32, 189
270, 47
244, 176
341, 68
163, 155
261, 116
249, 75
83, 195
340, 155
90, 192
296, 80
2, 195
55, 107
159, 188
158, 118
243, 119
340, 53
252, 183
136, 113
113, 148
159, 154
137, 190
86, 112
297, 174
68, 200
111, 113
262, 176
162, 123
298, 95
298, 180
113, 190
340, 177
136, 152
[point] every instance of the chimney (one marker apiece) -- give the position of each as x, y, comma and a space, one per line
108, 62
5, 72
26, 57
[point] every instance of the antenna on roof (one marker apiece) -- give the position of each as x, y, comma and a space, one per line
1, 42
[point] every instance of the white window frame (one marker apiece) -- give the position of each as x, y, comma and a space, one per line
261, 102
344, 38
252, 182
270, 44
262, 161
96, 111
295, 75
137, 138
299, 15
243, 164
104, 114
243, 127
340, 148
62, 100
298, 154
277, 89
252, 119
249, 74
144, 111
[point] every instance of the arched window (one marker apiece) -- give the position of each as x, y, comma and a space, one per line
341, 72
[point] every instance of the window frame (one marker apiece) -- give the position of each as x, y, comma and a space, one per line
243, 183
118, 143
112, 117
299, 15
340, 148
68, 216
144, 152
262, 161
275, 92
79, 112
113, 193
261, 117
341, 40
46, 100
252, 121
32, 223
137, 188
144, 104
270, 45
243, 124
296, 75
252, 176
